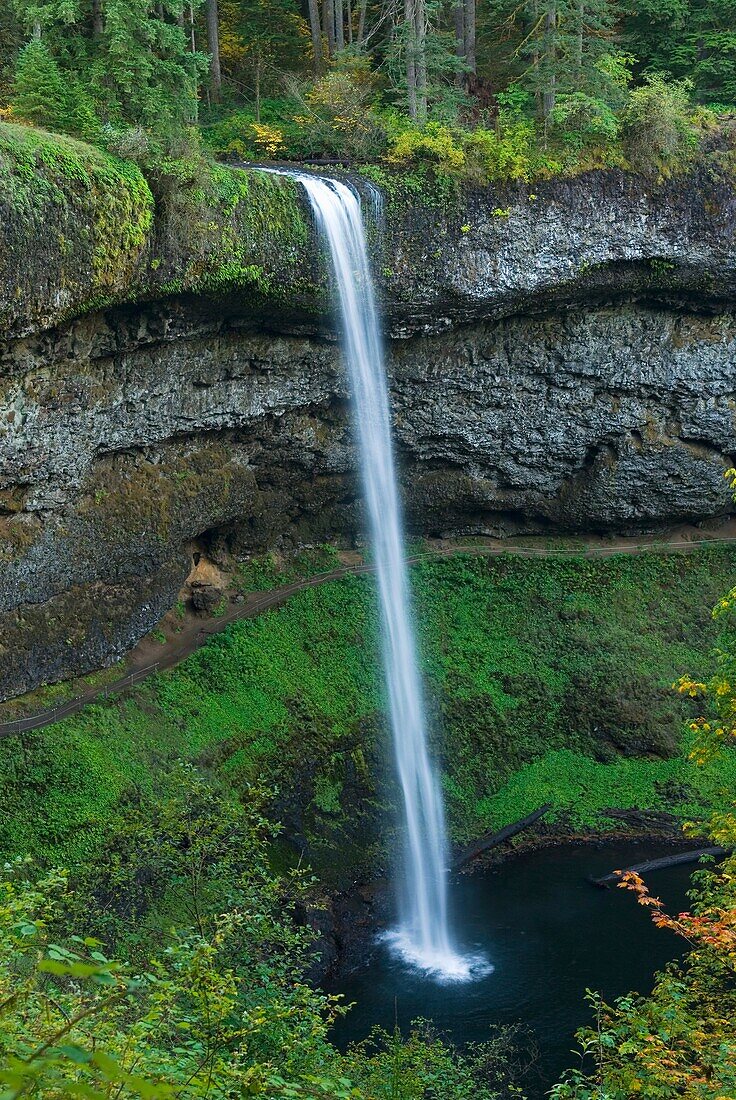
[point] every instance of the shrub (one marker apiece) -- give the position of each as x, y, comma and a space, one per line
339, 110
581, 121
232, 136
658, 132
478, 156
506, 155
434, 144
269, 140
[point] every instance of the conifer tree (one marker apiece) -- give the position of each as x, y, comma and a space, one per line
43, 95
263, 40
213, 45
124, 62
565, 44
686, 39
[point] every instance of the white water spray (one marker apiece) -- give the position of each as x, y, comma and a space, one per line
423, 936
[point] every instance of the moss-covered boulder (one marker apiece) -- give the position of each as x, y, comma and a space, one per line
81, 230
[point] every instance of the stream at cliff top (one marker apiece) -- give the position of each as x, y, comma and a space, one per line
549, 934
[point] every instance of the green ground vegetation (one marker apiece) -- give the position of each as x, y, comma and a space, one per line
547, 680
169, 960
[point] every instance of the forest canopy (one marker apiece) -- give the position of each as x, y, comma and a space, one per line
501, 90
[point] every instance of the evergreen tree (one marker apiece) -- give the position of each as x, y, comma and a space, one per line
146, 68
686, 39
566, 44
263, 40
213, 45
135, 58
43, 95
423, 62
11, 42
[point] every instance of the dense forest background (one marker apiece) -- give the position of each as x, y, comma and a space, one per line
504, 89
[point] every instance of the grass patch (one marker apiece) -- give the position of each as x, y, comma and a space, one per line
547, 680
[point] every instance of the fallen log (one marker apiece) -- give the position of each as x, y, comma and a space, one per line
492, 840
648, 820
657, 864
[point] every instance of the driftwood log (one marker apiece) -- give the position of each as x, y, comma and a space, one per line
492, 840
658, 864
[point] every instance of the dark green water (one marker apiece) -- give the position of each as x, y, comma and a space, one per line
549, 934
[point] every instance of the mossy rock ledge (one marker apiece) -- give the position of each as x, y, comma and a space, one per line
561, 359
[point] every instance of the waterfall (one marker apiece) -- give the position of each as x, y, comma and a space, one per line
422, 937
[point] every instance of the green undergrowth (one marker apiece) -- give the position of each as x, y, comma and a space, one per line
580, 787
261, 574
548, 680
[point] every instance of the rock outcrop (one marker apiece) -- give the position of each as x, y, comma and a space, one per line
562, 359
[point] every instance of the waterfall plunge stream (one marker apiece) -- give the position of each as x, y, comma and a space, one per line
422, 937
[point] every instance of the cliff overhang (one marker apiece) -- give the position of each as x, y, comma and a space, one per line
562, 359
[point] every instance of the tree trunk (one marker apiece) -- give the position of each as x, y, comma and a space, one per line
213, 44
470, 57
420, 16
258, 88
328, 25
361, 21
458, 15
657, 864
349, 20
411, 64
339, 26
97, 24
550, 27
316, 37
492, 840
192, 38
535, 55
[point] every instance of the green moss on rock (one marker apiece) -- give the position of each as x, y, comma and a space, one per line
81, 230
74, 222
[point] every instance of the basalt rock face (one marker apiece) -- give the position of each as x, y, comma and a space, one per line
596, 237
550, 370
617, 418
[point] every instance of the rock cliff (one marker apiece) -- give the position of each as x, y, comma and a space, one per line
561, 359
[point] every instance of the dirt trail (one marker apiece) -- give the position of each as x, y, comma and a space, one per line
194, 635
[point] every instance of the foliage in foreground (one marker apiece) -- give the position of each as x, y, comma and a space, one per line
214, 1008
221, 1009
679, 1041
